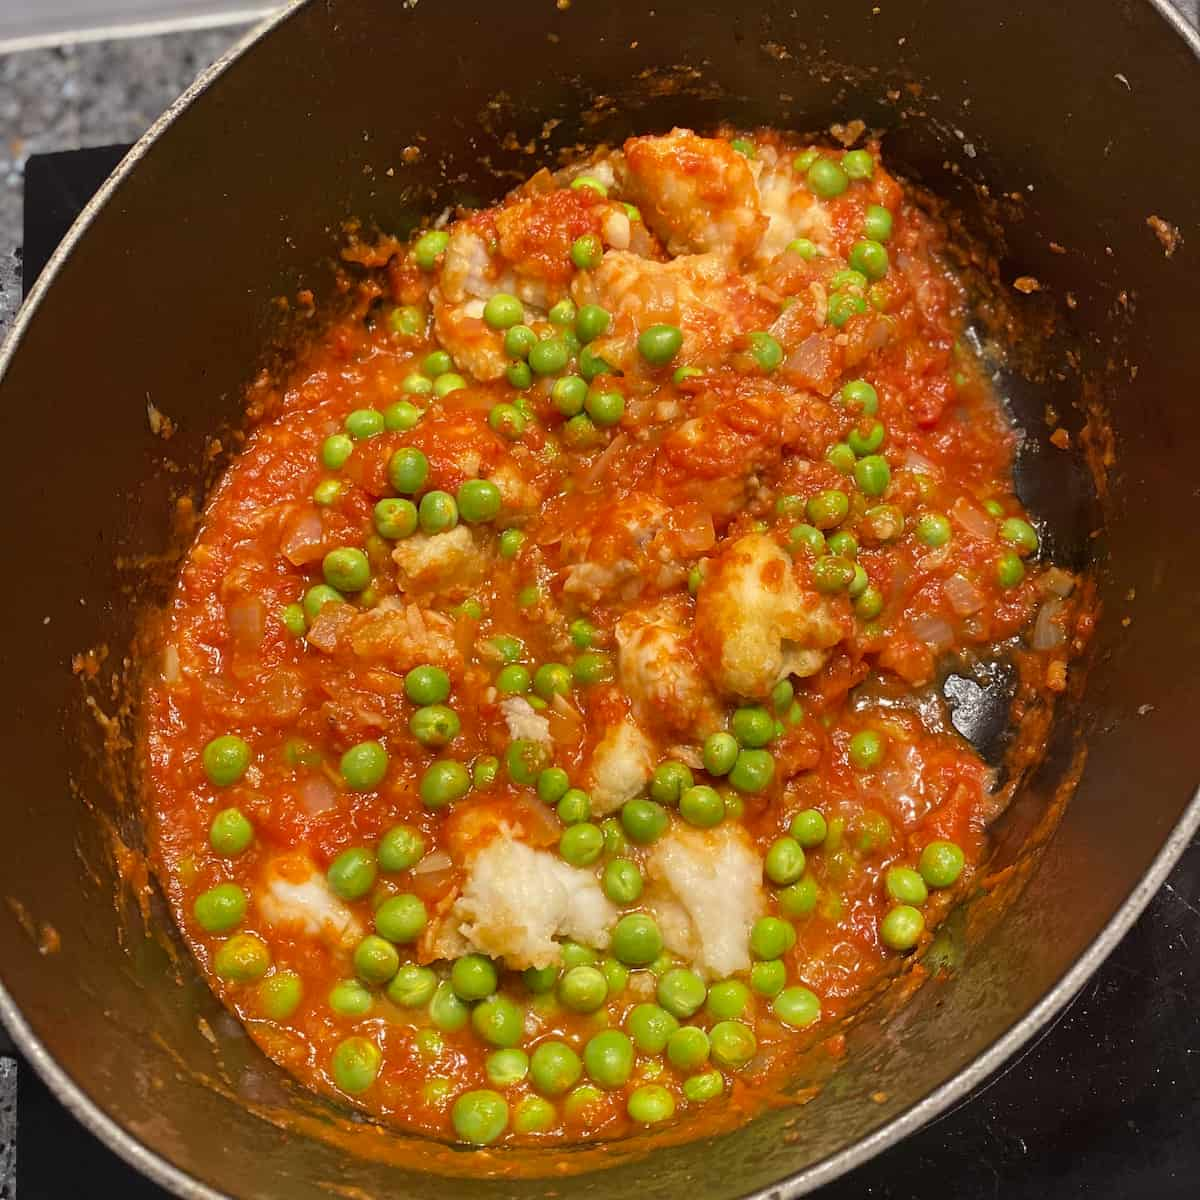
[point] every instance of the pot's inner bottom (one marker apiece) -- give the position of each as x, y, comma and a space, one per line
548, 739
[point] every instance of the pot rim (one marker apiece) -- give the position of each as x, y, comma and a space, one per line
164, 1173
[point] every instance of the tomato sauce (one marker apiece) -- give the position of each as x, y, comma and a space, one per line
748, 490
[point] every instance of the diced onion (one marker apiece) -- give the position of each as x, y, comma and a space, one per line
247, 620
933, 631
962, 595
317, 794
302, 540
438, 860
171, 671
1048, 633
1056, 581
974, 520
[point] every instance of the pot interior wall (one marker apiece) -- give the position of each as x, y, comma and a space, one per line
169, 298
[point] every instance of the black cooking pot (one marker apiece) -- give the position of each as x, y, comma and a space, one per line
1080, 120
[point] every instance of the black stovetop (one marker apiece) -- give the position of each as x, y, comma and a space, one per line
1105, 1106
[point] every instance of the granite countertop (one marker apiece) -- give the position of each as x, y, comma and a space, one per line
93, 94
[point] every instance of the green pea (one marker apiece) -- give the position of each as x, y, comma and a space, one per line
592, 667
765, 350
867, 750
498, 1021
808, 538
429, 1042
243, 958
447, 1010
708, 1085
415, 385
878, 223
220, 908
513, 680
540, 980
336, 450
395, 518
858, 164
719, 753
352, 874
502, 311
1010, 570
230, 832
608, 1058
768, 978
427, 685
941, 864
859, 583
506, 647
669, 782
355, 1064
753, 771
582, 633
622, 881
809, 828
1020, 535
375, 959
554, 1068
842, 306
784, 863
569, 394
688, 1048
507, 1067
658, 344
519, 375
799, 899
408, 469
869, 258
616, 975
479, 500
586, 252
364, 423
583, 989
872, 475
525, 761
279, 995
437, 512
636, 940
592, 322
797, 1007
681, 992
479, 1117
473, 977
752, 727
401, 847
605, 407
347, 570
434, 725
447, 382
650, 1027
771, 937
225, 759
702, 806
406, 319
826, 179
326, 492
869, 604
429, 247
860, 397
933, 529
727, 999
364, 766
507, 420
401, 918
906, 885
549, 357
832, 573
444, 782
581, 844
733, 1044
552, 785
574, 808
533, 1115
902, 927
518, 341
317, 597
562, 313
294, 620
650, 1104
828, 509
412, 986
644, 821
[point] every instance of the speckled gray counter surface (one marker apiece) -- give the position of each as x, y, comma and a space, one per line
92, 94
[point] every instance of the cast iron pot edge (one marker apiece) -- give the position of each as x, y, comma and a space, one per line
162, 1172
